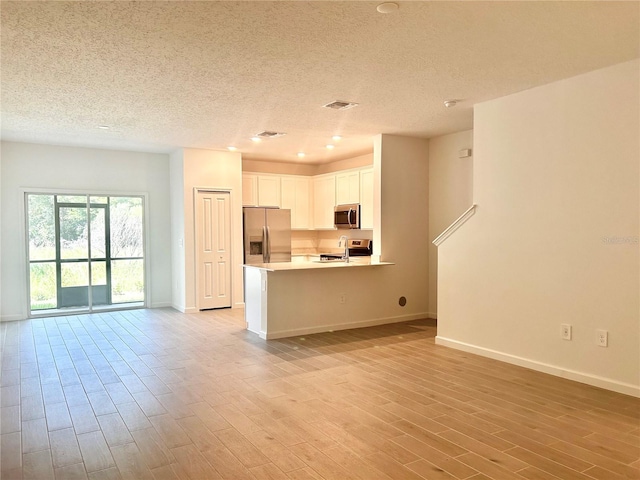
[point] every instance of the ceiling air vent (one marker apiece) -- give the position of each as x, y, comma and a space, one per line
340, 105
268, 134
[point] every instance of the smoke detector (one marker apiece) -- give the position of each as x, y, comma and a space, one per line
450, 103
340, 105
268, 134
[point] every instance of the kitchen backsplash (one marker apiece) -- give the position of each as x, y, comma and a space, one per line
315, 242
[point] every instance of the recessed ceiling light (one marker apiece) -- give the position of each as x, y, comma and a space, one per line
387, 7
300, 154
331, 147
232, 149
104, 127
256, 139
336, 138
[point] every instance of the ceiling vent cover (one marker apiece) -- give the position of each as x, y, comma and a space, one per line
340, 105
268, 134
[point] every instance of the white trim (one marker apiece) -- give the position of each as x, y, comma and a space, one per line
161, 305
343, 326
12, 318
146, 249
228, 191
432, 315
183, 309
455, 225
594, 380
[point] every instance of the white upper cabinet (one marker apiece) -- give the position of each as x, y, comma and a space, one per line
366, 198
311, 199
348, 187
249, 190
268, 190
295, 196
324, 199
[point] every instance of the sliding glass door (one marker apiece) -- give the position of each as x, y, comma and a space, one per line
85, 252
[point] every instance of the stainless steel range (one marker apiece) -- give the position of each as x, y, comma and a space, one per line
357, 247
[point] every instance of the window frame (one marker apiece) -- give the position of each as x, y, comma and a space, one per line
24, 194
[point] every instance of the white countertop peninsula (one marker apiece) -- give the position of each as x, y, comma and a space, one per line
298, 298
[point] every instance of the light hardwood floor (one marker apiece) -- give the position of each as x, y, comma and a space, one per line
159, 395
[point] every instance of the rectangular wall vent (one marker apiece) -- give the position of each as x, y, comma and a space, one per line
268, 134
340, 105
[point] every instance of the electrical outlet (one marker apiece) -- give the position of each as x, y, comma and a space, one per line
565, 331
343, 298
602, 339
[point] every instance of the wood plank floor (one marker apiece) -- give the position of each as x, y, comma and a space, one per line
160, 395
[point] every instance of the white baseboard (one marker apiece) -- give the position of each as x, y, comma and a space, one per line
594, 380
161, 305
343, 326
238, 305
183, 309
432, 315
12, 318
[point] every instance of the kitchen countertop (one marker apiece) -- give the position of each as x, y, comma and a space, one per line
314, 265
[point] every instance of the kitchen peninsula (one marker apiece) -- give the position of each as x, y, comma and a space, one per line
297, 298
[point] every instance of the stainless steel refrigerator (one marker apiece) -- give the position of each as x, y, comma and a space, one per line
267, 235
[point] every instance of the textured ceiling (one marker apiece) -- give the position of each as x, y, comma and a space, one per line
165, 75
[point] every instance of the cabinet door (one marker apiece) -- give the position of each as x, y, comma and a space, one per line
268, 191
324, 199
302, 203
366, 198
294, 192
249, 190
347, 187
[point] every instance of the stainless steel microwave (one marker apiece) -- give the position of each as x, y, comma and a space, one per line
347, 216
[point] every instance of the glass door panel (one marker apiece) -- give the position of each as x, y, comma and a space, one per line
127, 281
98, 232
84, 251
125, 225
74, 240
100, 290
42, 228
74, 283
43, 289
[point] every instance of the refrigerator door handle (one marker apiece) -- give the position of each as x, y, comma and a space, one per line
265, 240
268, 245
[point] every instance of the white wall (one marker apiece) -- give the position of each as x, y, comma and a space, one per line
287, 168
176, 186
450, 194
400, 232
555, 176
204, 169
83, 170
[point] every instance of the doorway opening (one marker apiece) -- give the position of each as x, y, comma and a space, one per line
85, 252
